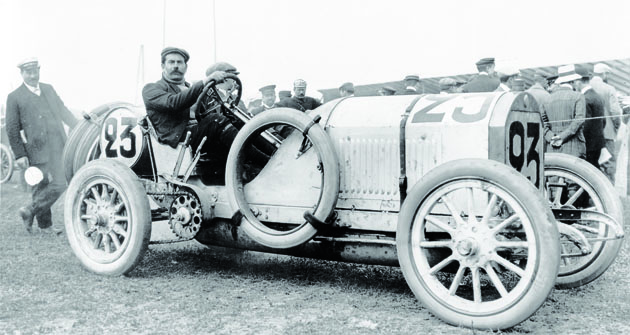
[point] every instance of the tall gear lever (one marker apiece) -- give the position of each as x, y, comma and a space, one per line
180, 158
194, 160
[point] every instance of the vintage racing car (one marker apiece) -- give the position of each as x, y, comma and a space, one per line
456, 189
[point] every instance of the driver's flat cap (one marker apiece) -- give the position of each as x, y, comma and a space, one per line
170, 50
299, 83
222, 66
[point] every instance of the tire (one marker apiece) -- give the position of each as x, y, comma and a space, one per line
86, 146
327, 156
6, 163
525, 249
77, 138
578, 271
94, 223
70, 148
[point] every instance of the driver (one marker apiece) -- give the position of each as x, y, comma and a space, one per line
168, 102
169, 99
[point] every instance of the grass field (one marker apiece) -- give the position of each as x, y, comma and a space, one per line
188, 288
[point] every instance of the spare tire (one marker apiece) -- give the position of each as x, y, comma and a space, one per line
75, 150
328, 167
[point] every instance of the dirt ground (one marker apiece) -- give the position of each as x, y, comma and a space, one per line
190, 288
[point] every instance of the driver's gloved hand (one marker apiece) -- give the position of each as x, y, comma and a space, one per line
216, 76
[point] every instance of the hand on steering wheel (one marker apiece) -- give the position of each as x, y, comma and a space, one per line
213, 97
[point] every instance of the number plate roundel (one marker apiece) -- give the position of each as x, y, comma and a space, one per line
121, 137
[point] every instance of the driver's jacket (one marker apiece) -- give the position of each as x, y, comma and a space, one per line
168, 108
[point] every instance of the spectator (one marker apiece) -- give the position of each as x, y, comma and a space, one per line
566, 111
412, 85
539, 88
612, 111
268, 99
34, 120
594, 123
506, 79
168, 103
299, 100
485, 80
346, 90
387, 90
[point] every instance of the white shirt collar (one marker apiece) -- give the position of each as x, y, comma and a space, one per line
413, 88
504, 87
35, 89
483, 73
585, 88
566, 85
273, 104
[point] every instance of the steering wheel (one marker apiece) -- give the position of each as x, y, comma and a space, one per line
215, 95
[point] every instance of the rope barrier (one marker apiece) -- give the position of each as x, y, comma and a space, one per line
589, 118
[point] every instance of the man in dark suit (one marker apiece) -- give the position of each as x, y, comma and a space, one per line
299, 100
595, 121
485, 80
268, 99
35, 118
566, 110
169, 99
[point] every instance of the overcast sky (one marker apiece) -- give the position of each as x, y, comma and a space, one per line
90, 50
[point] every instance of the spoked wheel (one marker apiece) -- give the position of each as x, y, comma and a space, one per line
6, 163
573, 183
107, 217
476, 244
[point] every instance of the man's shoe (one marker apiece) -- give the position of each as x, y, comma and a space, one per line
51, 231
27, 218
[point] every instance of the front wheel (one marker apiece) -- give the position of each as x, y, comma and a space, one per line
477, 244
107, 217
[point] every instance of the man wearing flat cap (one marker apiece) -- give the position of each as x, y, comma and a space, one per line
299, 100
412, 85
346, 90
566, 110
268, 99
612, 111
387, 90
34, 121
485, 80
169, 100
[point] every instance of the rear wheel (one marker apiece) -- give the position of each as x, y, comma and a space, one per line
6, 163
573, 183
107, 217
477, 244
